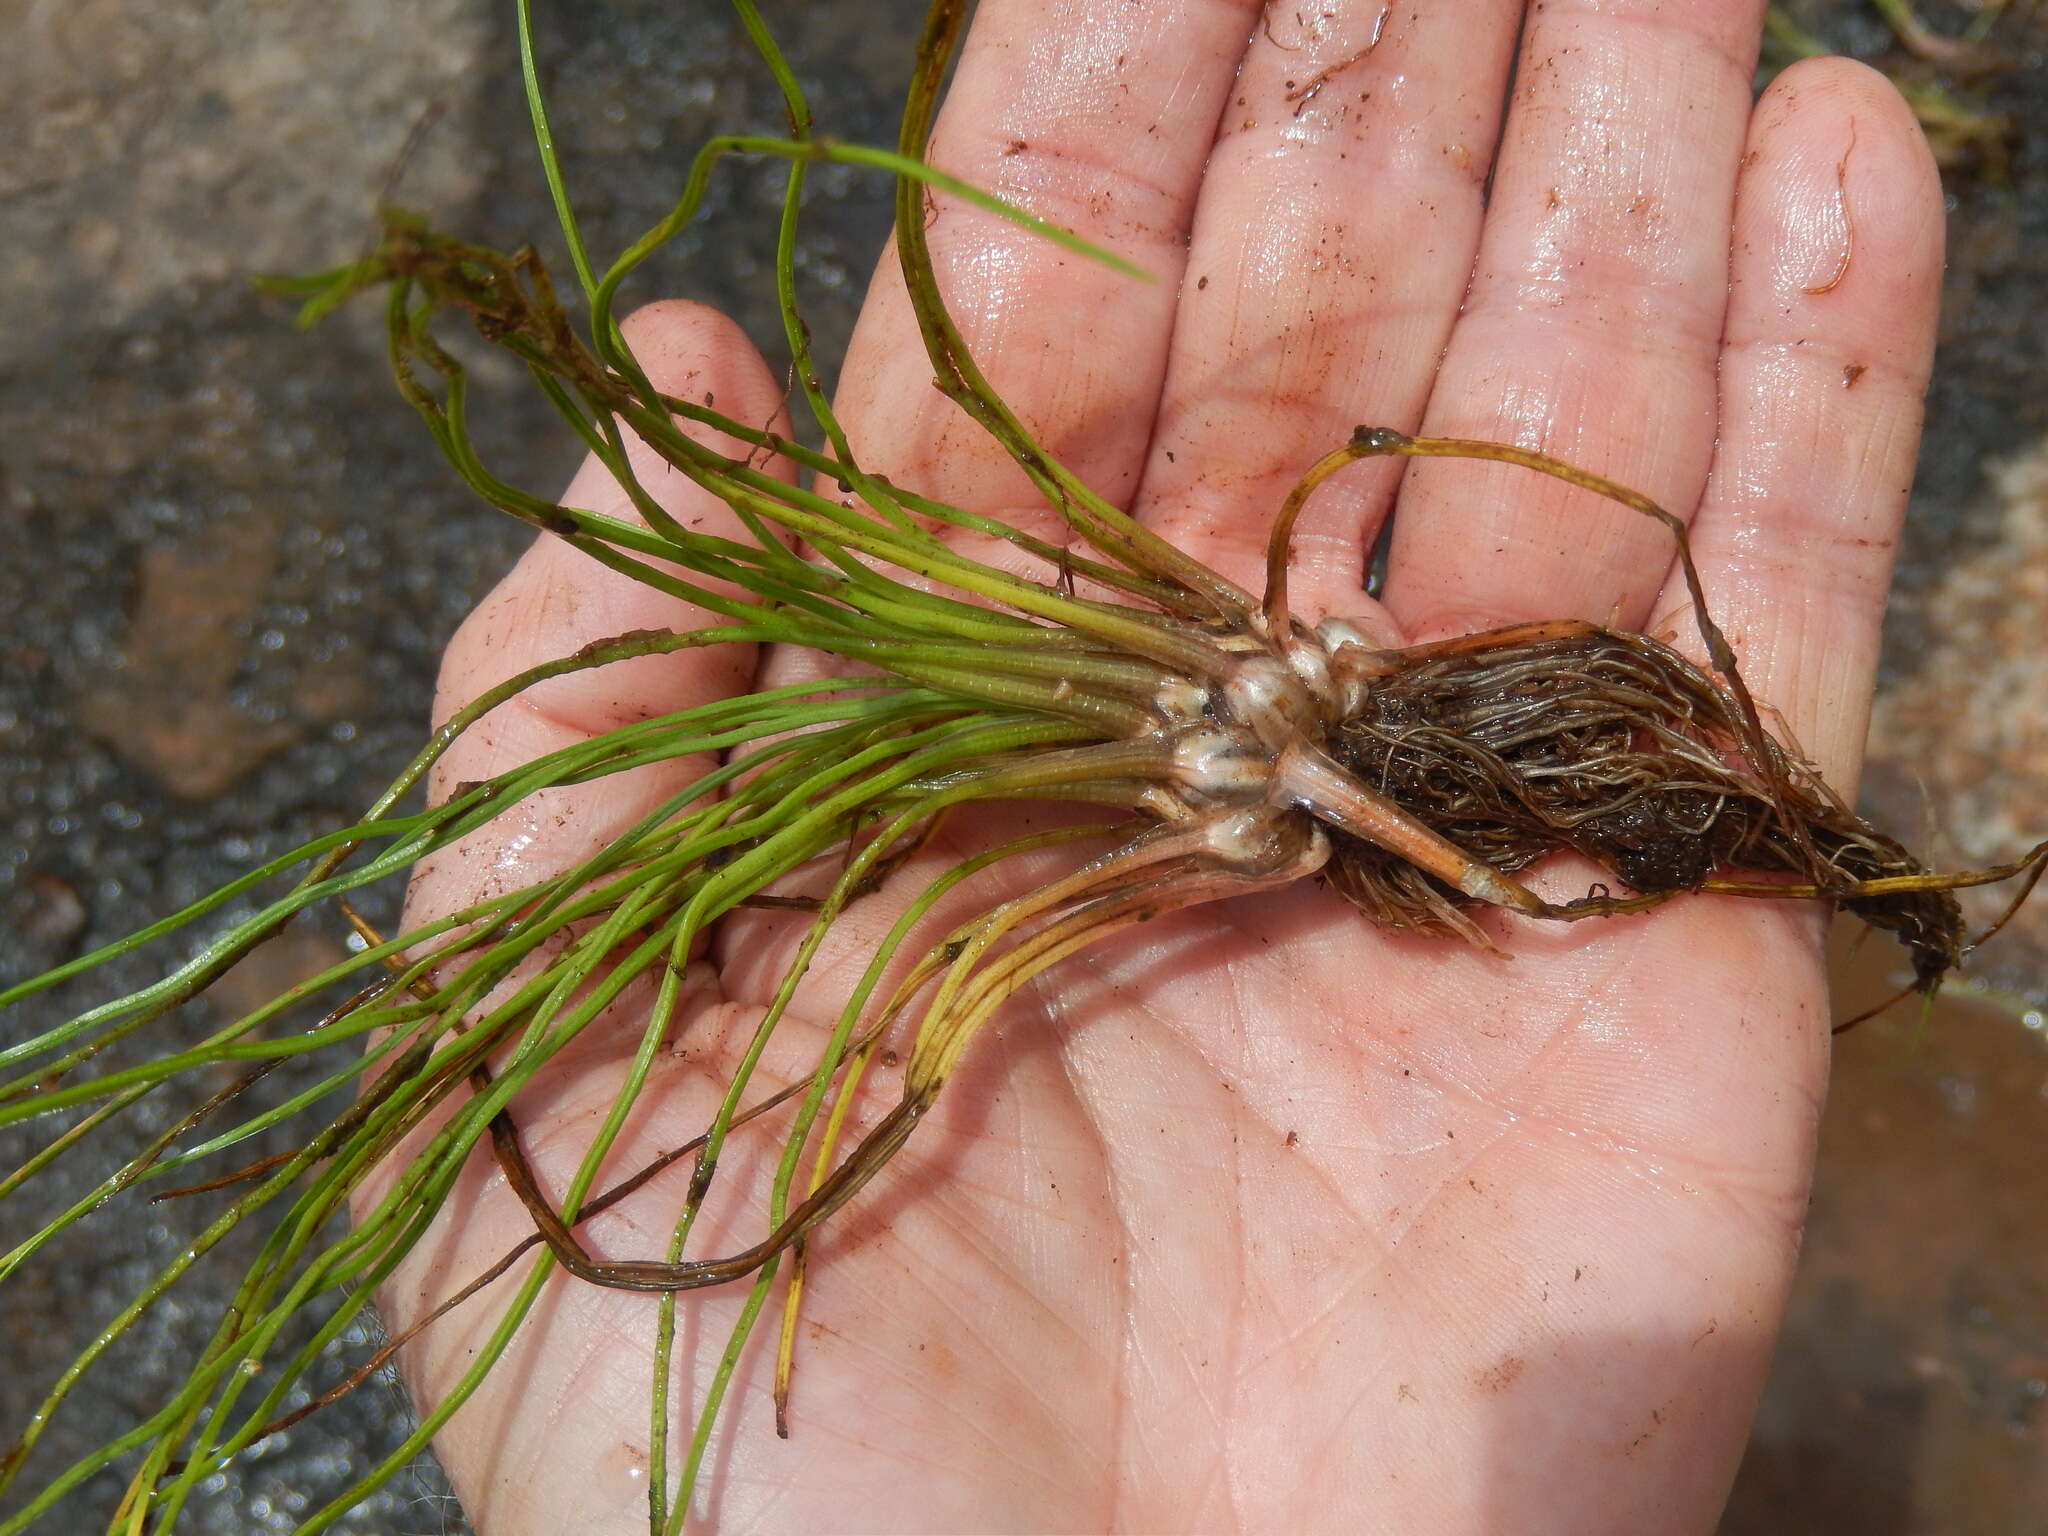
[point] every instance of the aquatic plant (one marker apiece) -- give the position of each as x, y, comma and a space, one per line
1196, 741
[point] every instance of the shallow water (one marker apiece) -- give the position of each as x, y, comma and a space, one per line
1911, 1387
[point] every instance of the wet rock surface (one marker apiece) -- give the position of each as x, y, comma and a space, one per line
1910, 1393
228, 555
228, 560
1964, 729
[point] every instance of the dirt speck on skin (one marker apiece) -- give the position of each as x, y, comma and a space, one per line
1501, 1375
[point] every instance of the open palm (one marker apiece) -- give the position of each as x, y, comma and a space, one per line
1260, 1218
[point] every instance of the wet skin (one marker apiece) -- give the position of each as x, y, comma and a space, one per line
1259, 1218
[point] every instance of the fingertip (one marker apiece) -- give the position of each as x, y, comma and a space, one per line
691, 351
558, 599
1835, 284
1846, 88
1839, 215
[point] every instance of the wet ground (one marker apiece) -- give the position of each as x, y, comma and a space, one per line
227, 563
1910, 1393
228, 556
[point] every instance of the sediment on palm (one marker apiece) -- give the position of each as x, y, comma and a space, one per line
1224, 747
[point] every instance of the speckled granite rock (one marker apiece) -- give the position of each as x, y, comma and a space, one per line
155, 149
1961, 740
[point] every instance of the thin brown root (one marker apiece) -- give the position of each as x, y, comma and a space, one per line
1540, 738
1756, 741
241, 1175
1884, 1007
1848, 256
2036, 864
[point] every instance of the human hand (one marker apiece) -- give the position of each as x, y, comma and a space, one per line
1261, 1218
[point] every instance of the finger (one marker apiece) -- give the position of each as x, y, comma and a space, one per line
1334, 239
1836, 282
557, 600
1096, 116
1594, 321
